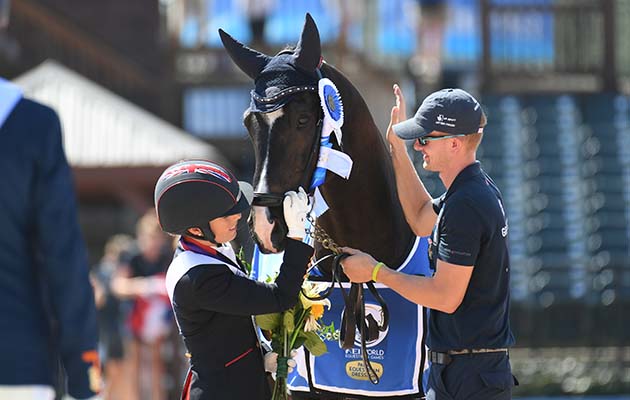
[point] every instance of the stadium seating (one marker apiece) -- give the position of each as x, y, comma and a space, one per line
563, 165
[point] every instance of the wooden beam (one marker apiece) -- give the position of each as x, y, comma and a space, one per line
98, 182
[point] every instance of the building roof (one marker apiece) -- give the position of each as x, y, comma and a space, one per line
101, 129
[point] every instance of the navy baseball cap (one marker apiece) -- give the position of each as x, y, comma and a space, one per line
452, 111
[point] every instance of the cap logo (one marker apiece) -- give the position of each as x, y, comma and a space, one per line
445, 121
215, 171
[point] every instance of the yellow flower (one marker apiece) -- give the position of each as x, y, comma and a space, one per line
313, 289
317, 310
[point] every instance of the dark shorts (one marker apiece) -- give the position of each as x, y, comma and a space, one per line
111, 345
472, 377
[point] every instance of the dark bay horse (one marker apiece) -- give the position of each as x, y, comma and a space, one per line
364, 212
284, 122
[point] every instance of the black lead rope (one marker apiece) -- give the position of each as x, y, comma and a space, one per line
354, 314
267, 199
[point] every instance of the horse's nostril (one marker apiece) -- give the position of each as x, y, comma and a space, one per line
270, 218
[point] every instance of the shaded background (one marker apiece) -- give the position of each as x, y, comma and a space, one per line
141, 84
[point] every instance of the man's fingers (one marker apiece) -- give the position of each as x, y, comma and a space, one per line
350, 250
393, 118
400, 102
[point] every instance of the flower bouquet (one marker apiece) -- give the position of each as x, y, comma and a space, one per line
295, 327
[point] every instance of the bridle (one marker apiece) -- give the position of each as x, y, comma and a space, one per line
275, 199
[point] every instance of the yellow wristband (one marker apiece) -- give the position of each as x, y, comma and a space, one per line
375, 270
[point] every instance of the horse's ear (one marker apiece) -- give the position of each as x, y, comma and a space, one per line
308, 51
248, 60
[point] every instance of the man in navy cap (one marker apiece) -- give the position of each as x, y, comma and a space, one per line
468, 295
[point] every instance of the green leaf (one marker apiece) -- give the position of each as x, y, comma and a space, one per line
269, 321
271, 278
299, 342
314, 344
241, 258
277, 340
289, 320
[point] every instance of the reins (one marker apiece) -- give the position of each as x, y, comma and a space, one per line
354, 315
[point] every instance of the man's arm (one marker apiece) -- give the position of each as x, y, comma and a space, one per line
444, 291
414, 198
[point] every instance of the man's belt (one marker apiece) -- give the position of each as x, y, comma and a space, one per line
445, 358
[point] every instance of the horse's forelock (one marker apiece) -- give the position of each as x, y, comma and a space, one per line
288, 49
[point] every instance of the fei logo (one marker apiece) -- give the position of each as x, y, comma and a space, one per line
377, 312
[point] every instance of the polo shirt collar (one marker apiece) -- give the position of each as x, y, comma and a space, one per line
467, 173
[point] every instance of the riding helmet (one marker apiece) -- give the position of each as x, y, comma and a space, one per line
191, 193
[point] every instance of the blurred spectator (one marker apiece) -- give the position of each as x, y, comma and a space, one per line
141, 278
350, 12
427, 63
109, 316
257, 12
5, 11
47, 313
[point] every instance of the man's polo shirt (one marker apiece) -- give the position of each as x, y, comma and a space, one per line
472, 230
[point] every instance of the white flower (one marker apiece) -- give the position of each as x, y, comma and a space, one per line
313, 289
311, 324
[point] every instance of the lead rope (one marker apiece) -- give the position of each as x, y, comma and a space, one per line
352, 308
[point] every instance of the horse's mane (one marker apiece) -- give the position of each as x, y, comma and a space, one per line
360, 130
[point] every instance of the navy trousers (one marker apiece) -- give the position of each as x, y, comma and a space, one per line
486, 376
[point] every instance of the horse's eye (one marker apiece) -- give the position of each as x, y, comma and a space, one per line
302, 121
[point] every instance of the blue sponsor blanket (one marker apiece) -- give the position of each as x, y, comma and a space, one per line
397, 355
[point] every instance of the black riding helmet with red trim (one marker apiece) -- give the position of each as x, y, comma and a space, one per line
191, 193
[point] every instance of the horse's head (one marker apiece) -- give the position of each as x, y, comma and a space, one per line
283, 123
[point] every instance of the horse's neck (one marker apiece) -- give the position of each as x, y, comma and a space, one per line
365, 212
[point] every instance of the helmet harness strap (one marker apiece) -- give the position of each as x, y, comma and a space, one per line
209, 235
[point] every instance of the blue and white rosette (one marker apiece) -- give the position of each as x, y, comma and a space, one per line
329, 159
333, 121
333, 108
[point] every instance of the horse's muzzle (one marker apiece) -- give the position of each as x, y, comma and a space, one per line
268, 228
